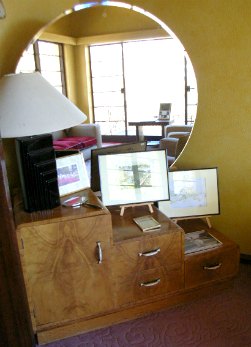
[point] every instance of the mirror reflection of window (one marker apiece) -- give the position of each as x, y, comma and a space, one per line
47, 58
27, 61
131, 79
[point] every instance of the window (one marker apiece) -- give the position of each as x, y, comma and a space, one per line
108, 88
27, 62
131, 79
47, 58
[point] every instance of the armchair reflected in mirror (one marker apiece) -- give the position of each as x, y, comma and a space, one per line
176, 137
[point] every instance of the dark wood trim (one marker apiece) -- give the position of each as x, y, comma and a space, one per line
245, 258
15, 324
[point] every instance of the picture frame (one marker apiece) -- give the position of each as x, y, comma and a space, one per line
193, 193
71, 174
121, 148
133, 178
165, 111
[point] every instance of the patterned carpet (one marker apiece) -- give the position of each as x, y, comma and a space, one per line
221, 320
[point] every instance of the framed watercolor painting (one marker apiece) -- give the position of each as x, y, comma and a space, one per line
192, 193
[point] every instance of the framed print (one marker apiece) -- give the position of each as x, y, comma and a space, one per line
72, 174
123, 148
133, 178
192, 193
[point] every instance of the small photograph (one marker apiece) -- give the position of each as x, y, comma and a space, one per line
71, 174
67, 175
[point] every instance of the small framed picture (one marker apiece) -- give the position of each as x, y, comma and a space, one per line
72, 174
165, 111
193, 193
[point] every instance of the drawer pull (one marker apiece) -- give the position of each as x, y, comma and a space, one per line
151, 283
150, 253
213, 267
99, 253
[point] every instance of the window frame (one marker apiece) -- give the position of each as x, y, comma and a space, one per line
37, 61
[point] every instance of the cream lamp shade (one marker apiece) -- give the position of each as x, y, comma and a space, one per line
29, 105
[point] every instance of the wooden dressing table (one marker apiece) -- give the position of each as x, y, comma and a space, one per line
88, 268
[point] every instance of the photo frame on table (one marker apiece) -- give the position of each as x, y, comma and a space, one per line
72, 174
165, 111
193, 193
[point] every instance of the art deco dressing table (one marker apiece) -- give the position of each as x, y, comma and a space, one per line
88, 268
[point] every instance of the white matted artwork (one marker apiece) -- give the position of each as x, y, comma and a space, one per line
131, 178
72, 174
193, 193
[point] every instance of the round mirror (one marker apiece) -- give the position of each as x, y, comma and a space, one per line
119, 65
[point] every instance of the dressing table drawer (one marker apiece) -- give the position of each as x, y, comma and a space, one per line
148, 252
212, 265
142, 286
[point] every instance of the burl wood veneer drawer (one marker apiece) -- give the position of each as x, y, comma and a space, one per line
142, 286
210, 266
147, 253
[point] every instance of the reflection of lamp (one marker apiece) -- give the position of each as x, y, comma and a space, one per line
30, 106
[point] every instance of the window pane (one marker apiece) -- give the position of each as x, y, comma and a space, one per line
53, 77
27, 61
154, 73
108, 99
49, 63
107, 114
106, 60
107, 85
112, 128
48, 48
106, 68
102, 84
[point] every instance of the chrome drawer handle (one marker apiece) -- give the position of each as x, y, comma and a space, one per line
99, 253
213, 267
150, 253
151, 283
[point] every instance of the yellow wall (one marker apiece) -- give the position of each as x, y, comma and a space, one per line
216, 35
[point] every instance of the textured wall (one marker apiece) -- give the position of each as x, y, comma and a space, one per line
216, 35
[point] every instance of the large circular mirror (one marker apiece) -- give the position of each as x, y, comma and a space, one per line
119, 65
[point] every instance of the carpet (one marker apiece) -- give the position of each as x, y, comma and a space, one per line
218, 320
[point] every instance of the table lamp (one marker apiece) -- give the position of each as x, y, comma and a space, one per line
30, 110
